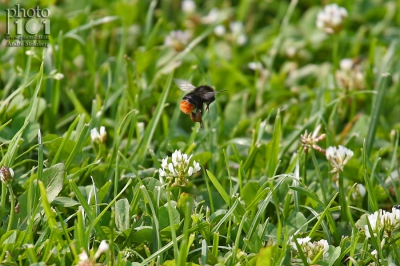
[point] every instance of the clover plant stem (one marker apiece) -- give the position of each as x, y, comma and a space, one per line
12, 206
342, 198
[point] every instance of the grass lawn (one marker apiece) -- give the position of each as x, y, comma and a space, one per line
296, 163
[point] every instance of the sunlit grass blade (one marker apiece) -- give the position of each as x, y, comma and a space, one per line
13, 145
78, 146
323, 214
170, 244
238, 238
225, 218
91, 25
372, 200
378, 102
146, 196
88, 210
64, 142
219, 187
50, 215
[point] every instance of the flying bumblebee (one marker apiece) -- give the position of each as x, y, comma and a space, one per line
195, 99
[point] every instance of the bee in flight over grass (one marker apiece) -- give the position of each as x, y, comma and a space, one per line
195, 99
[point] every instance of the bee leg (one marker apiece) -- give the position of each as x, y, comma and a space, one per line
193, 117
200, 120
208, 107
199, 116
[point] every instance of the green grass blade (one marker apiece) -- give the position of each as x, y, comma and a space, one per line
377, 104
148, 135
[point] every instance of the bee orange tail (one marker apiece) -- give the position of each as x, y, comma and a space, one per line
186, 107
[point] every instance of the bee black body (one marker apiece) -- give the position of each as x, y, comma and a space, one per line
195, 99
199, 96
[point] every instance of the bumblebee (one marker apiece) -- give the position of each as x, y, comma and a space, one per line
195, 99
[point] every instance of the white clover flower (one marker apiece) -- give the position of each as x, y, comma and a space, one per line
162, 173
309, 140
94, 134
171, 169
188, 6
102, 248
396, 212
387, 220
177, 36
175, 159
58, 76
236, 27
374, 253
322, 245
212, 17
301, 242
190, 171
196, 166
350, 75
220, 30
373, 221
291, 51
85, 260
262, 72
83, 257
241, 39
177, 169
164, 163
312, 249
338, 157
331, 18
383, 220
359, 191
32, 53
346, 64
185, 158
177, 39
255, 66
6, 174
98, 137
238, 33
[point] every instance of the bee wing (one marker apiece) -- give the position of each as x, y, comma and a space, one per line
184, 85
208, 95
